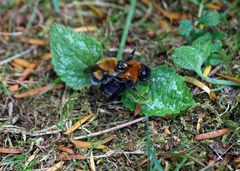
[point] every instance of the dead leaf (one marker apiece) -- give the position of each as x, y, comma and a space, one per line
9, 150
85, 144
56, 166
15, 65
213, 96
25, 74
211, 135
199, 122
32, 41
38, 91
130, 145
167, 131
108, 139
92, 163
65, 149
137, 110
13, 88
78, 124
164, 25
170, 15
85, 29
99, 12
215, 6
229, 77
46, 56
207, 70
22, 62
198, 84
64, 156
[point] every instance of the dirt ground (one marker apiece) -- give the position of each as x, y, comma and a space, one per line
32, 125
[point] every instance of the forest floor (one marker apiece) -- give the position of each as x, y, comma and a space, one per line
34, 115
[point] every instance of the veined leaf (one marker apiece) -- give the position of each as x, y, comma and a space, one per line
188, 57
72, 54
204, 45
168, 94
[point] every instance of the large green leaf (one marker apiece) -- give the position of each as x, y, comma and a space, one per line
73, 53
204, 45
167, 94
188, 57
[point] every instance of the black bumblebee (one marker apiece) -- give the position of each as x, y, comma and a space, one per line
116, 76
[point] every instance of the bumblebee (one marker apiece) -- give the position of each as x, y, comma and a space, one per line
116, 76
106, 70
126, 74
136, 72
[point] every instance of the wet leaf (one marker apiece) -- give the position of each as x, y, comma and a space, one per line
204, 45
188, 57
168, 94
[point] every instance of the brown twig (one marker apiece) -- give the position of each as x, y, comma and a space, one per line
19, 130
111, 129
11, 33
119, 152
215, 70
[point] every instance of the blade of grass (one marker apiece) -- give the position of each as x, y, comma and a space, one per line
126, 29
151, 152
29, 24
56, 5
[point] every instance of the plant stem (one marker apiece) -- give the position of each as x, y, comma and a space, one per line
215, 81
126, 29
200, 8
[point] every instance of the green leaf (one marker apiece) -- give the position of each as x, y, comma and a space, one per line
138, 95
73, 53
204, 45
217, 58
188, 57
210, 18
185, 27
167, 94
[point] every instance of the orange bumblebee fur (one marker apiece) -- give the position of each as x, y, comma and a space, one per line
107, 65
132, 73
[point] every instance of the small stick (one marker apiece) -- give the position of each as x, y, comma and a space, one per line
215, 70
111, 129
11, 33
119, 152
17, 55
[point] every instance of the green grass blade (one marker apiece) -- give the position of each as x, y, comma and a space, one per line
126, 29
56, 5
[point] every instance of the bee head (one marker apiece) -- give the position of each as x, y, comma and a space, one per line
121, 67
145, 73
